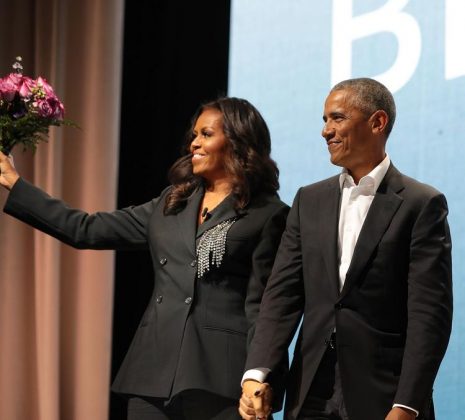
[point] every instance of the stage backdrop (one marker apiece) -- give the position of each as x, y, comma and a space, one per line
285, 56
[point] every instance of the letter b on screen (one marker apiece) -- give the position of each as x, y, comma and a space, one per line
346, 28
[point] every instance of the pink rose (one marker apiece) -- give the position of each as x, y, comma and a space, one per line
58, 108
26, 87
15, 79
9, 86
41, 82
50, 108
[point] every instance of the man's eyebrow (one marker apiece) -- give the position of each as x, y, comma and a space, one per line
333, 114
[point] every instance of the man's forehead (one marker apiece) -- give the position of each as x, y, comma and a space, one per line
343, 95
341, 98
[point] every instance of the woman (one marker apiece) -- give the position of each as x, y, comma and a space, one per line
213, 235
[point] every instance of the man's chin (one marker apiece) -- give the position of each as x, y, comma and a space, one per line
335, 161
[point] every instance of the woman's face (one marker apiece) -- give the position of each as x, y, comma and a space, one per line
209, 145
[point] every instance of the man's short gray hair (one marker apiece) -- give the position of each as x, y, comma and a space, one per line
369, 97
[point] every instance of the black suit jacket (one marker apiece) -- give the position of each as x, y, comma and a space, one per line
194, 331
393, 315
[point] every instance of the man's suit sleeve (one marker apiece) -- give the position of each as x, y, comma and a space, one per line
262, 262
429, 304
282, 303
121, 229
263, 257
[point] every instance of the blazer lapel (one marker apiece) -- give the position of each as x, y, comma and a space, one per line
380, 214
329, 232
225, 210
187, 218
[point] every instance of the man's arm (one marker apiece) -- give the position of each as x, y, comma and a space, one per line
283, 299
280, 312
429, 304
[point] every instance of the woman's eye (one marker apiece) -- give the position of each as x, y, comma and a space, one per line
206, 134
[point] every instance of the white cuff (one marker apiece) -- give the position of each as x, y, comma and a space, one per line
405, 406
258, 374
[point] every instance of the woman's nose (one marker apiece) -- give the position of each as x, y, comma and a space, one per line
195, 143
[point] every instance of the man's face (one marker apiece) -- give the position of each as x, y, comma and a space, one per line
349, 136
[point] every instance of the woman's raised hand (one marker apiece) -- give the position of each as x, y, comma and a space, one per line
8, 174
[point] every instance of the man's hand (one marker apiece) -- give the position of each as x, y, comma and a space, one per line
255, 402
401, 413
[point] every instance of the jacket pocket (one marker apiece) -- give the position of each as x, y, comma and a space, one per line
225, 330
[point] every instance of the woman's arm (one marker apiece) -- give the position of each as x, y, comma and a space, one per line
121, 229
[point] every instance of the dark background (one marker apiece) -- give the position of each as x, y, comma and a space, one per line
175, 57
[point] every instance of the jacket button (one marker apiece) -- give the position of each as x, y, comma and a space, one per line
338, 306
193, 263
159, 299
188, 300
163, 261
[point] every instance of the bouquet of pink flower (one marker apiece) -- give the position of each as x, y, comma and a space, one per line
28, 108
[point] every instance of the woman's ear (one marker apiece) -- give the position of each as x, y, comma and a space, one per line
379, 120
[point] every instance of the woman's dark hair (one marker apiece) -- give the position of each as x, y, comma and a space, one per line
247, 159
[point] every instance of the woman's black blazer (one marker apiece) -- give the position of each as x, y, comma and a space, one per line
194, 332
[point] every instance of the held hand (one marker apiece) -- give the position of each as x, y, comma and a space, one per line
401, 413
255, 402
8, 174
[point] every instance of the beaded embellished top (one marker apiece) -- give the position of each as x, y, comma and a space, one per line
212, 246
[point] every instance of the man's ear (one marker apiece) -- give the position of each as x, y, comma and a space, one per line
379, 120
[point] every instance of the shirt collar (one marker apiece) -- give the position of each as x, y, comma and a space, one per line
374, 177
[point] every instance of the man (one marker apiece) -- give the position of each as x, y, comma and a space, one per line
366, 259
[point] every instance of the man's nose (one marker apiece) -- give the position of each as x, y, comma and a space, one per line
327, 131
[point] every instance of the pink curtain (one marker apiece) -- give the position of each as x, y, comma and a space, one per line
56, 302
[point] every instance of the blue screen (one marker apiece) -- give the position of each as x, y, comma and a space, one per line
286, 55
